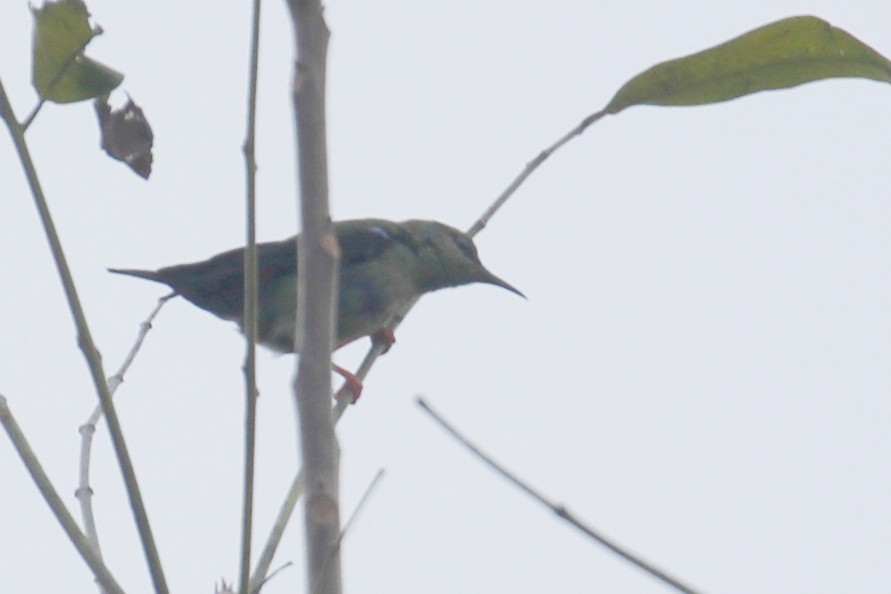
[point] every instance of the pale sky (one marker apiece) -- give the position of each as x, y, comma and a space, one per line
700, 371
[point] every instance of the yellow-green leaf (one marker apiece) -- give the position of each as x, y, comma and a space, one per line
61, 72
780, 55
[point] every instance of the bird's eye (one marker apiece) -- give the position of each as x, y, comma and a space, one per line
466, 246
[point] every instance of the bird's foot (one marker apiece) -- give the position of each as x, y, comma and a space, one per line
353, 384
385, 338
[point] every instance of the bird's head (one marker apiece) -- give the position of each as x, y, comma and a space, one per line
448, 257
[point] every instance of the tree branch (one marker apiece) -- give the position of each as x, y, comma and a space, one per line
558, 509
88, 347
318, 256
83, 546
251, 291
84, 493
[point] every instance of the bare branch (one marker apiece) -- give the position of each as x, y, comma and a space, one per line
251, 291
318, 256
258, 578
84, 492
90, 556
349, 523
558, 509
88, 347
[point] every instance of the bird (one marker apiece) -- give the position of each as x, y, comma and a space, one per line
384, 265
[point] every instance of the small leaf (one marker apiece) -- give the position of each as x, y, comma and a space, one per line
126, 135
780, 55
61, 72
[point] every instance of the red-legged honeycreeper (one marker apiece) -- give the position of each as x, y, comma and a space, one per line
384, 265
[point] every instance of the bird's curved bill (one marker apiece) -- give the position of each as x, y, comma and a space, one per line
491, 279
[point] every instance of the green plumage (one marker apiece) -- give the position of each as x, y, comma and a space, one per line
384, 265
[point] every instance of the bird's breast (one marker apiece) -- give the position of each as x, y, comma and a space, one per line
367, 299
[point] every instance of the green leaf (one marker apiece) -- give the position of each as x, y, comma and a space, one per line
780, 55
61, 72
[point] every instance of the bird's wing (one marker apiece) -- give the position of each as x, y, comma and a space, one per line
366, 239
274, 259
217, 284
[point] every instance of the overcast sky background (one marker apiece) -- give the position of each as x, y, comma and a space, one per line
701, 370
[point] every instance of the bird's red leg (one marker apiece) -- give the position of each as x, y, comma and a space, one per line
384, 337
353, 383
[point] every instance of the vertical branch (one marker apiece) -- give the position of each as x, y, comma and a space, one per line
316, 297
250, 309
88, 347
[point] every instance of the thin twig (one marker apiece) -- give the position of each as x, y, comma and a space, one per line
250, 308
118, 378
359, 507
534, 164
277, 571
558, 509
89, 555
88, 347
264, 561
84, 492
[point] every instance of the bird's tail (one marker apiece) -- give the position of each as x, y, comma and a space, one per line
146, 274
